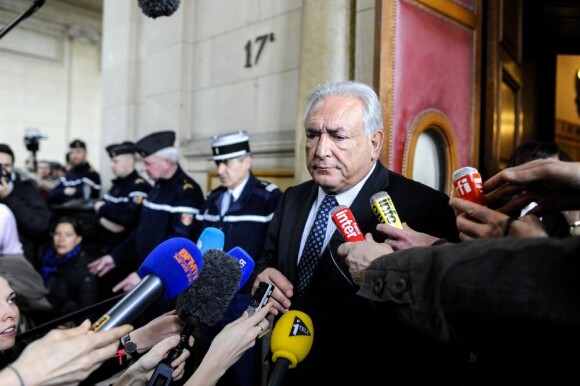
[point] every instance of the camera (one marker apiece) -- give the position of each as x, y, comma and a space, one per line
32, 137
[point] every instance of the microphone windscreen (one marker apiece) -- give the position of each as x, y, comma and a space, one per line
246, 263
156, 8
211, 238
207, 299
292, 337
177, 262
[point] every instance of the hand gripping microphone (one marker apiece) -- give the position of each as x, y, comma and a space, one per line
210, 238
291, 341
202, 304
346, 224
168, 270
156, 8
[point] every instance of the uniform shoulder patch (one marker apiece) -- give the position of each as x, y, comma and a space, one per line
187, 185
138, 199
267, 185
139, 181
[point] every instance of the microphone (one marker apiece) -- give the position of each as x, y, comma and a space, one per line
202, 304
346, 224
168, 270
246, 263
384, 209
210, 238
291, 341
156, 8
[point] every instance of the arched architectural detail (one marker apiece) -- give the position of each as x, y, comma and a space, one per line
436, 127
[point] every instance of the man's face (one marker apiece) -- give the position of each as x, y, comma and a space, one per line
155, 167
7, 165
233, 171
77, 156
338, 154
122, 165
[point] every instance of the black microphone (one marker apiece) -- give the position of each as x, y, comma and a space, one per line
202, 304
156, 8
168, 270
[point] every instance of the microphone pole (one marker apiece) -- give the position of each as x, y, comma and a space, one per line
44, 328
35, 6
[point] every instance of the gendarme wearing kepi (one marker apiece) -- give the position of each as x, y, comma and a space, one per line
116, 149
154, 142
230, 145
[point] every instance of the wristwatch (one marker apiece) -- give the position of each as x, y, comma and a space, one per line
129, 345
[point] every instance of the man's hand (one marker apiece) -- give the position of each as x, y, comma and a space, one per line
400, 239
359, 255
156, 330
283, 289
111, 226
102, 265
128, 283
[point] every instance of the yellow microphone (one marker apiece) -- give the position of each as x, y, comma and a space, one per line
290, 343
384, 209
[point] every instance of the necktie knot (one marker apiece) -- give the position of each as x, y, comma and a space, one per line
314, 243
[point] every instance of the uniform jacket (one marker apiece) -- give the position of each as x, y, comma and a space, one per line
168, 211
77, 177
246, 221
122, 206
347, 328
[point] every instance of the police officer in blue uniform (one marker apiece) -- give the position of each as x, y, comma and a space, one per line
79, 181
117, 214
242, 208
168, 211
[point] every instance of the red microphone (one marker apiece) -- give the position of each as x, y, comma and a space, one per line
345, 222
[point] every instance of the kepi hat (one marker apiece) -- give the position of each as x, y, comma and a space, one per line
116, 149
154, 142
77, 144
230, 145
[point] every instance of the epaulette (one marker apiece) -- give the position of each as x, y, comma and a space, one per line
269, 186
187, 185
139, 181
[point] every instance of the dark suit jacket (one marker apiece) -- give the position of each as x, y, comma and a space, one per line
346, 327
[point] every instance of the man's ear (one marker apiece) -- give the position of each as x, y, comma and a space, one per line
376, 143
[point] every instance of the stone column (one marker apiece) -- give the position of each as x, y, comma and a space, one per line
326, 55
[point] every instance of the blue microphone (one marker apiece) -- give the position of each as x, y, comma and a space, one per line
168, 270
210, 238
246, 263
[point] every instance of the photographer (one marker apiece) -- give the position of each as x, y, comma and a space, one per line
20, 193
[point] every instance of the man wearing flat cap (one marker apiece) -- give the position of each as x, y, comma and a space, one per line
168, 211
242, 208
79, 180
117, 214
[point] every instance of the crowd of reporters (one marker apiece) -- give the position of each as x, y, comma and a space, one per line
472, 305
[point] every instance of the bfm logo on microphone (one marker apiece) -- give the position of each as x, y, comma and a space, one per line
299, 328
187, 262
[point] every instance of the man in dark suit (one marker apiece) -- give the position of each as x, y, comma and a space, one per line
344, 135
